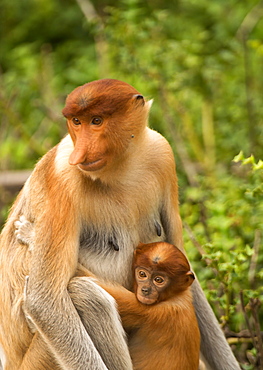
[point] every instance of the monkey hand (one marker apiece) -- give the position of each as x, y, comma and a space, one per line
24, 231
28, 319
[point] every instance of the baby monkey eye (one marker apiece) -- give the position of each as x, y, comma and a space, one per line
96, 121
141, 274
158, 279
76, 121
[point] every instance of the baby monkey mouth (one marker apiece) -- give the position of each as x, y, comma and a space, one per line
146, 300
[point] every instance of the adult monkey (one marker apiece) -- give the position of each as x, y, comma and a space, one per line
108, 185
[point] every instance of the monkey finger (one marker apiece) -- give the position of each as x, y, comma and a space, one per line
22, 218
17, 224
22, 221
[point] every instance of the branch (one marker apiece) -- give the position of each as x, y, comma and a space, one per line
242, 334
250, 21
88, 10
195, 241
101, 45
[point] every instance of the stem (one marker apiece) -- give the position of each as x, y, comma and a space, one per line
254, 259
180, 147
252, 334
195, 241
254, 304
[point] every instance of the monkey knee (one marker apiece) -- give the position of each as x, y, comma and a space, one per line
87, 296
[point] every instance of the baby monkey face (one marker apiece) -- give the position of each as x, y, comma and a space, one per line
150, 284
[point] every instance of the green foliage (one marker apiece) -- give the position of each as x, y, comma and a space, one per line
226, 220
201, 61
41, 61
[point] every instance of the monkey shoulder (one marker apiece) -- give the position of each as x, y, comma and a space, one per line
159, 152
54, 165
155, 138
50, 175
57, 157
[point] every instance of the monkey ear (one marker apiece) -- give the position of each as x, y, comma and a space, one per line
139, 246
139, 98
191, 274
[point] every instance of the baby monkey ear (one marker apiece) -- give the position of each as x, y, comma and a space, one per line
138, 248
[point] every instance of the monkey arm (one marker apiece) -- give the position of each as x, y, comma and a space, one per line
132, 312
82, 271
87, 300
46, 299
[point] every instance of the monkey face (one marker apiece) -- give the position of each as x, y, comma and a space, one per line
150, 284
103, 118
90, 146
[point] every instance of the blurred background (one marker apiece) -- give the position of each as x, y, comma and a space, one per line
202, 63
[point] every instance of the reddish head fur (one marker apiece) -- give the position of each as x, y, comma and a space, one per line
165, 257
107, 96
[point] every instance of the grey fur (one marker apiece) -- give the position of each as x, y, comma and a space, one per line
101, 320
213, 339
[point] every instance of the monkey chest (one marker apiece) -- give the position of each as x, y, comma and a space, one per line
109, 237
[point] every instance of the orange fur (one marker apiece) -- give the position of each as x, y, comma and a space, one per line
164, 335
105, 187
85, 191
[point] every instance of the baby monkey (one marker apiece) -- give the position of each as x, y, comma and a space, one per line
159, 315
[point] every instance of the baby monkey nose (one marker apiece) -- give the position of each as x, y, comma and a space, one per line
146, 290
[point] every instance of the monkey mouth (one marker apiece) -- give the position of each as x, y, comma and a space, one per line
92, 166
146, 300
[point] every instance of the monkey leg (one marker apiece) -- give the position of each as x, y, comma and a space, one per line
98, 312
38, 357
96, 317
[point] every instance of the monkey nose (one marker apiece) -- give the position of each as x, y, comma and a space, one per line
146, 291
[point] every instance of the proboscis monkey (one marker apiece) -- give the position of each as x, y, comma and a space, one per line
106, 186
159, 315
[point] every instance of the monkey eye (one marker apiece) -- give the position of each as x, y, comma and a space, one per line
96, 121
142, 274
76, 121
159, 280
